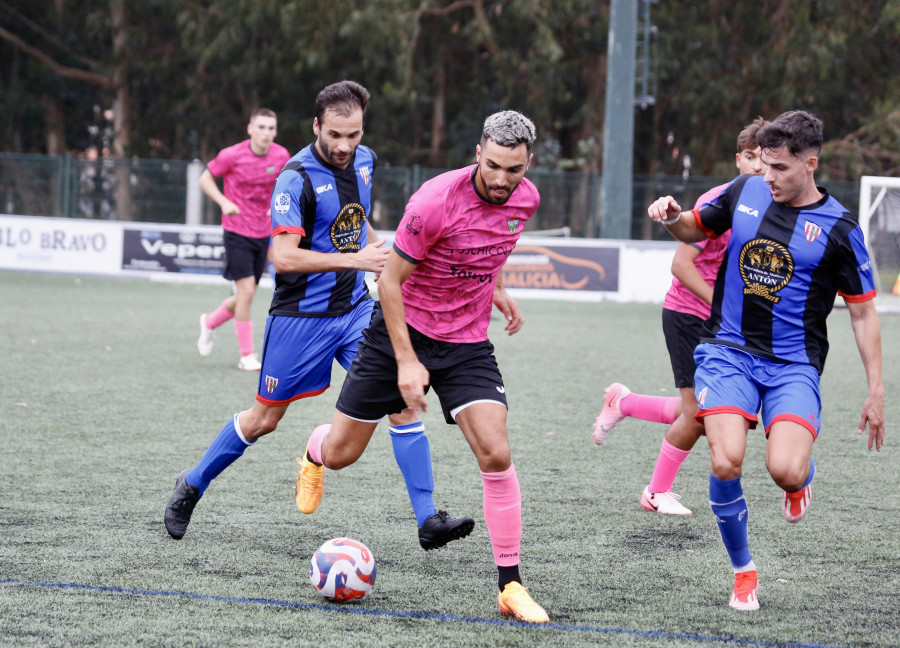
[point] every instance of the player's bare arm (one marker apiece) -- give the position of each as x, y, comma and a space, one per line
867, 331
412, 376
207, 183
508, 306
288, 257
686, 272
681, 224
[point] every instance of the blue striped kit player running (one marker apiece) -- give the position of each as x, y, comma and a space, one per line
322, 247
793, 248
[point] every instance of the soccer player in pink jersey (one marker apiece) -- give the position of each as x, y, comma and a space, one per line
248, 171
431, 330
685, 309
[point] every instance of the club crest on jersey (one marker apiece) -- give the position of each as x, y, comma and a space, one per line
512, 225
282, 203
347, 228
766, 267
364, 174
271, 384
270, 170
812, 231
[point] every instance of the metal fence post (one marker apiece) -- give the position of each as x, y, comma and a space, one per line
193, 206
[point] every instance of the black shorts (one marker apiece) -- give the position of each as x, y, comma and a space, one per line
683, 333
244, 256
461, 373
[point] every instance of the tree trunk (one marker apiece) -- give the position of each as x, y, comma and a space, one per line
120, 108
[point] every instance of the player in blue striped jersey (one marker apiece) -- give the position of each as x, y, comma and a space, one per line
322, 246
793, 249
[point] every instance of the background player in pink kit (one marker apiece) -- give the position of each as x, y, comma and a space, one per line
686, 307
248, 170
436, 293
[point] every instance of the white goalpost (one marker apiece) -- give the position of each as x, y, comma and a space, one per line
879, 219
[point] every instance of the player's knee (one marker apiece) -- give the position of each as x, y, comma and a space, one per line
789, 475
726, 467
494, 459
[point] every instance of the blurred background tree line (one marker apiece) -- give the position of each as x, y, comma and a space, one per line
177, 79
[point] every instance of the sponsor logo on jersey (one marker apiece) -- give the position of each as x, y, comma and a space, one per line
766, 267
271, 383
812, 231
282, 203
512, 225
748, 210
325, 187
346, 229
414, 224
365, 173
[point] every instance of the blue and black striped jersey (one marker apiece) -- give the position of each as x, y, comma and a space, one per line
783, 268
329, 208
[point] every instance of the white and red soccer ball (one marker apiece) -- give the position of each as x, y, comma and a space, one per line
342, 569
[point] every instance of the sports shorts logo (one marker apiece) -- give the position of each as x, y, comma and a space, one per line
282, 203
766, 267
501, 389
271, 383
701, 398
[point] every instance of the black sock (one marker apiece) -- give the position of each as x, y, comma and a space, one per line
507, 575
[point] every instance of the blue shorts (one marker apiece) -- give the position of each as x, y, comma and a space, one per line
298, 352
730, 380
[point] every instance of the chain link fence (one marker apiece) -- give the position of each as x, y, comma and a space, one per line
156, 191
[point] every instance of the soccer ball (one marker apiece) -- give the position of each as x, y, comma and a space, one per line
342, 569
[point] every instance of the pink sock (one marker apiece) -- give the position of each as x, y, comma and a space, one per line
218, 316
660, 409
503, 514
314, 447
244, 331
667, 465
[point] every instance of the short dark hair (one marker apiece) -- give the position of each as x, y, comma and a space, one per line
343, 98
746, 139
798, 130
262, 112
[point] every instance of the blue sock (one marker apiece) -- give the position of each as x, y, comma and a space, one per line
812, 473
413, 455
225, 448
726, 498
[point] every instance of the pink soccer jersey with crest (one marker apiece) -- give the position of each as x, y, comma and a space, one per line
712, 252
248, 181
459, 244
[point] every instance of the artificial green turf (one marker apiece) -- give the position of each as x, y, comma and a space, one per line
103, 400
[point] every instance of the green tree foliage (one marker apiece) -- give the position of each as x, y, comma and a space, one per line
181, 76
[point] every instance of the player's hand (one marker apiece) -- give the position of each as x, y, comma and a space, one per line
412, 379
510, 309
373, 257
665, 208
873, 416
230, 209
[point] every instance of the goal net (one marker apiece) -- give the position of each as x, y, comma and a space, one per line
879, 218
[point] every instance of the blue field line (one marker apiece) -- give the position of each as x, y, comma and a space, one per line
350, 609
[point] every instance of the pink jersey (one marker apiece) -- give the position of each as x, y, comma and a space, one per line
249, 179
712, 251
459, 243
